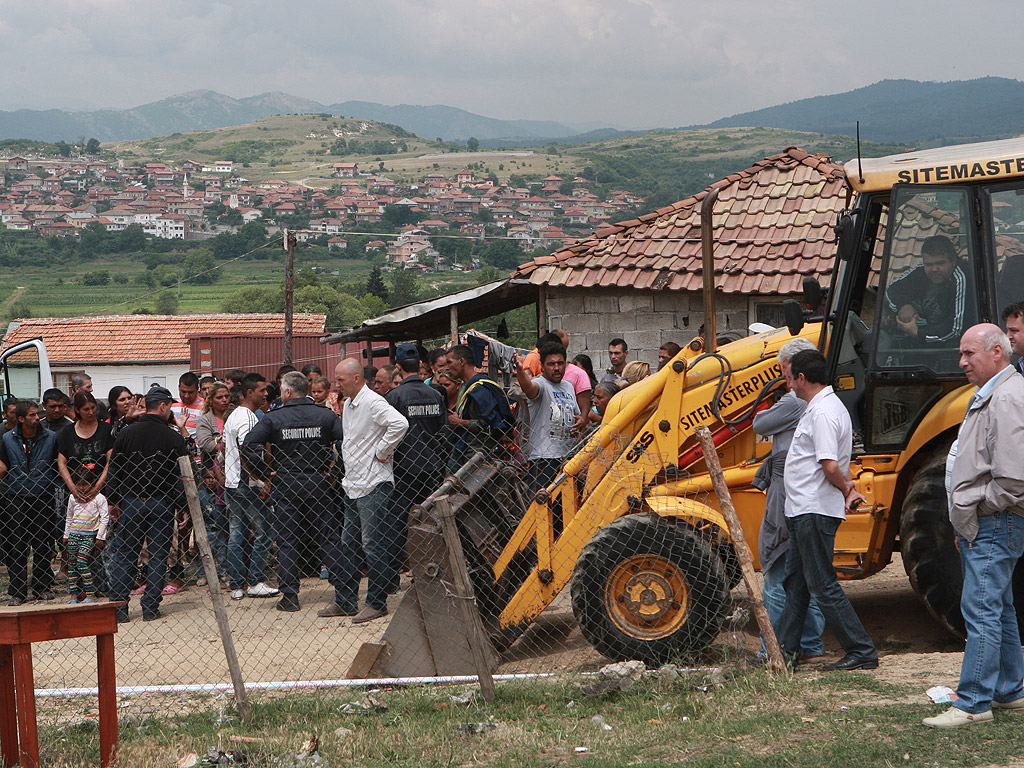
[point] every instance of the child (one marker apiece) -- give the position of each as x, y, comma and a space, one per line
319, 389
85, 528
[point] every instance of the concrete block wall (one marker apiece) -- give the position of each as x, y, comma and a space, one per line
645, 320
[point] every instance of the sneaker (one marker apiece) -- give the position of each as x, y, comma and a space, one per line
74, 599
954, 718
335, 610
289, 603
262, 590
1016, 704
151, 615
122, 614
237, 594
89, 600
369, 614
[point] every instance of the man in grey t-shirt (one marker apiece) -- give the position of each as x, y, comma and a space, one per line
555, 418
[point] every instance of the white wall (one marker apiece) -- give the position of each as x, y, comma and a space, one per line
138, 378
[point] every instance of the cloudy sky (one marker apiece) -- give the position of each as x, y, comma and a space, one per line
629, 63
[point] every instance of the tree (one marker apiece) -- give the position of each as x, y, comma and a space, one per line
99, 277
167, 303
130, 239
403, 288
199, 268
472, 144
92, 147
63, 148
400, 215
375, 285
503, 254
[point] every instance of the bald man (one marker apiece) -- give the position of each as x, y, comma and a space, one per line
985, 481
373, 430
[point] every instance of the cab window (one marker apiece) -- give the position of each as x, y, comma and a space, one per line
927, 296
1006, 212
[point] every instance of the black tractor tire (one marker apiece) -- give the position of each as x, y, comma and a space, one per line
929, 553
647, 589
927, 543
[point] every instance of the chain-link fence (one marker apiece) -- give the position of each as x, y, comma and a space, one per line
466, 559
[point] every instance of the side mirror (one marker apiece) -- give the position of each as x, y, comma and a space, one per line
794, 315
812, 293
844, 230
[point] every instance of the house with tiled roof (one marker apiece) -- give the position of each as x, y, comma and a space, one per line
138, 351
641, 280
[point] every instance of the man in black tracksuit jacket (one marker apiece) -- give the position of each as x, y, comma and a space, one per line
145, 482
420, 458
302, 435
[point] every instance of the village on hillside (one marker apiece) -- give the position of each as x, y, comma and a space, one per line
195, 201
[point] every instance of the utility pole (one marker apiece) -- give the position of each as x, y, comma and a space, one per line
289, 292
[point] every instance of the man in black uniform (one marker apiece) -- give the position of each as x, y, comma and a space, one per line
145, 482
302, 435
419, 459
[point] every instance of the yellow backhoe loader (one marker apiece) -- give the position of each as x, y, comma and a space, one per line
629, 524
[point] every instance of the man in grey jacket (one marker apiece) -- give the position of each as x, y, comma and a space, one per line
985, 482
779, 422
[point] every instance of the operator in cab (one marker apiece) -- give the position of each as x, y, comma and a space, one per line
928, 303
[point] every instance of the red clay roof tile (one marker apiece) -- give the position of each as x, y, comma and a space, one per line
145, 338
773, 226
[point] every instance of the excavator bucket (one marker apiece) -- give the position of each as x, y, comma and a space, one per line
428, 635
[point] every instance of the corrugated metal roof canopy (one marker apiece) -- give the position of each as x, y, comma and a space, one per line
431, 319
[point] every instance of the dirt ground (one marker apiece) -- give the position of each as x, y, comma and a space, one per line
184, 646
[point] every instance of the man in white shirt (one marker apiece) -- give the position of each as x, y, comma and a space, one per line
247, 511
372, 431
818, 493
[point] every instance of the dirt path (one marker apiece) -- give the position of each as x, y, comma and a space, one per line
184, 648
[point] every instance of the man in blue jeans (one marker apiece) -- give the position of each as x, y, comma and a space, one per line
372, 431
985, 483
145, 483
779, 422
247, 510
818, 493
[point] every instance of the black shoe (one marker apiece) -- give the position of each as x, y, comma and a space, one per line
122, 615
152, 615
853, 661
335, 610
289, 603
14, 602
46, 595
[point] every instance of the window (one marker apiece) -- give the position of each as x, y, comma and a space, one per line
928, 295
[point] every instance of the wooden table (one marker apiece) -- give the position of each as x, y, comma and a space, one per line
27, 624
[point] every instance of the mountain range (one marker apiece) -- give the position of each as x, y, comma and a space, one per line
901, 111
206, 110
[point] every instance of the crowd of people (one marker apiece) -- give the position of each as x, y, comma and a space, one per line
302, 476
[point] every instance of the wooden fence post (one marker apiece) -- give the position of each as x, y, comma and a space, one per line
213, 583
464, 590
739, 543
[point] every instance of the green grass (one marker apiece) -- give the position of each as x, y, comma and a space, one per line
753, 720
47, 297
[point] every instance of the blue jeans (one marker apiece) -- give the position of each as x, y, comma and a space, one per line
151, 520
368, 523
216, 526
775, 603
809, 573
993, 664
246, 512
